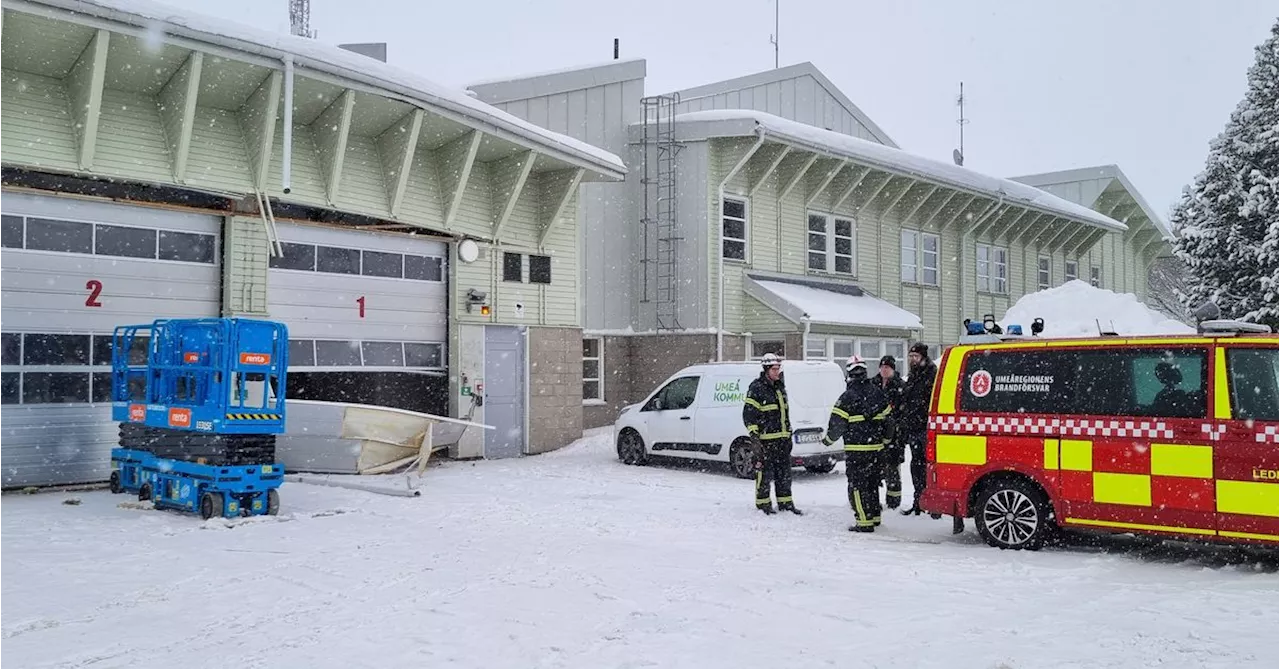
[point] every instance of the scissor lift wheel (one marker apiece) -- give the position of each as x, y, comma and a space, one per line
211, 505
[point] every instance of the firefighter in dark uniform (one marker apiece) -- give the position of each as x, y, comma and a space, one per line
766, 416
891, 385
913, 421
854, 418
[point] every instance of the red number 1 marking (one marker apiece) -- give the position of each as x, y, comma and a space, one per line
94, 287
360, 301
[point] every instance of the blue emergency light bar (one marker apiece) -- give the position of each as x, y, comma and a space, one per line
975, 328
1013, 329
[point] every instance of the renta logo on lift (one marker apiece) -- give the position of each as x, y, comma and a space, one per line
255, 358
191, 356
179, 417
137, 413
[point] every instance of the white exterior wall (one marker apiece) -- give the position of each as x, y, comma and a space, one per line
595, 105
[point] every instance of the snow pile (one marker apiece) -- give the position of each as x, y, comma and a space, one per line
898, 160
1069, 310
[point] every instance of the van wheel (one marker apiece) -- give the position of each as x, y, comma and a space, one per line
1012, 514
740, 460
631, 448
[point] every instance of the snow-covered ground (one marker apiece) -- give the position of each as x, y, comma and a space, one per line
572, 559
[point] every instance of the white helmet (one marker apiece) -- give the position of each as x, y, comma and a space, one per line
770, 360
855, 362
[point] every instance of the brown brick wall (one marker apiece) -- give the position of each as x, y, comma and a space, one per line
555, 391
634, 366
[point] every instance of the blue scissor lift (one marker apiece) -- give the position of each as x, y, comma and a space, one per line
199, 402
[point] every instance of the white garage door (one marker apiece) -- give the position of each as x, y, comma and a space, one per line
360, 301
71, 271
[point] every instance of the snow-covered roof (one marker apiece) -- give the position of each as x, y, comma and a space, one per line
782, 74
898, 161
797, 300
309, 53
1101, 172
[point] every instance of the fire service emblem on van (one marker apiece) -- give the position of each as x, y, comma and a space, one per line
980, 383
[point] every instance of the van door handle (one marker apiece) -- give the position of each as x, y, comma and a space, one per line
685, 418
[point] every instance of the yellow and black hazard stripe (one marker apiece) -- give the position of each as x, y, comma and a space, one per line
253, 416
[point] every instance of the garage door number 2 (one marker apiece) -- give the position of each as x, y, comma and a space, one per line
94, 287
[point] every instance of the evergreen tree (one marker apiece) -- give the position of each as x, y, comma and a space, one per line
1226, 223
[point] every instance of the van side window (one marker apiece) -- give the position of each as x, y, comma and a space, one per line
1253, 375
674, 396
1169, 383
1114, 382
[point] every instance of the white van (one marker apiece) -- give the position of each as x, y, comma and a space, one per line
697, 414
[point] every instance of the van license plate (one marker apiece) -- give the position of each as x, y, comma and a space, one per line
808, 437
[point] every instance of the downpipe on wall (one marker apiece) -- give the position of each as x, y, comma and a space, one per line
287, 159
742, 162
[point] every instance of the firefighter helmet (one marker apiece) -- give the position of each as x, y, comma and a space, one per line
770, 360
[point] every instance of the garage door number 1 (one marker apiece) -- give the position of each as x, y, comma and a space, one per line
94, 287
360, 302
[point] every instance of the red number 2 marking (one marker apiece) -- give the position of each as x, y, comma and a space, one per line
94, 287
360, 301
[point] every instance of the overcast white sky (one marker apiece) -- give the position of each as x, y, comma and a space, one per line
1050, 84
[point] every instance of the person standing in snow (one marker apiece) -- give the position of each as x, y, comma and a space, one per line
913, 421
766, 416
857, 418
891, 385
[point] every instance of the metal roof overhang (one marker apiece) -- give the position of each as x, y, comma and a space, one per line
137, 17
704, 129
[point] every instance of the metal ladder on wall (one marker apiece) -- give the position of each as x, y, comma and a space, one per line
659, 221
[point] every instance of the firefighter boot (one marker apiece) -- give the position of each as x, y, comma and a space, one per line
767, 509
789, 506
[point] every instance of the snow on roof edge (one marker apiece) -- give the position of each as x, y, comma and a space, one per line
551, 73
894, 316
145, 13
899, 159
1109, 171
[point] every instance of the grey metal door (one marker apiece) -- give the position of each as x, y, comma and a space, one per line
504, 391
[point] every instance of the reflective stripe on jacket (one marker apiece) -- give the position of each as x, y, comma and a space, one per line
765, 412
858, 418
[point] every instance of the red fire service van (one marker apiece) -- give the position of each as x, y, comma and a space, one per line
1173, 436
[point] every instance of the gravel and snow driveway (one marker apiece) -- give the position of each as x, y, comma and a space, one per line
574, 560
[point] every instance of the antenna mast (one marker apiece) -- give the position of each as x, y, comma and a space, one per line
773, 39
300, 18
958, 154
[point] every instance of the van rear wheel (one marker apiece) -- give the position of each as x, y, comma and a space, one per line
1012, 514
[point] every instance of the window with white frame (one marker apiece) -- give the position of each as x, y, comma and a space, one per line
841, 349
761, 347
831, 244
1095, 276
910, 240
592, 369
838, 349
993, 269
919, 257
815, 348
733, 225
1072, 270
1042, 272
